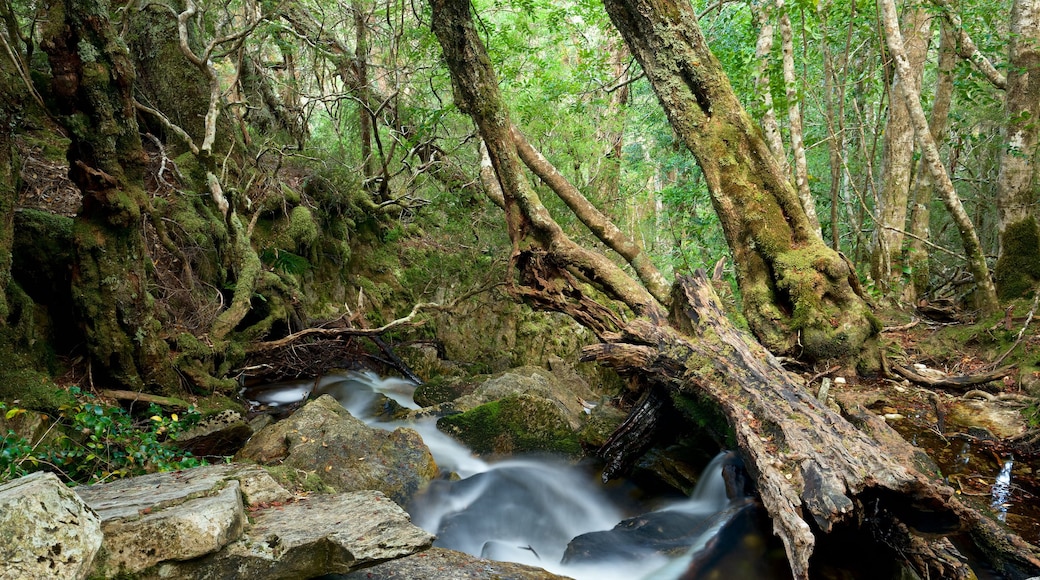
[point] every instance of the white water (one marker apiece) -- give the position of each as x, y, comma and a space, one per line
524, 510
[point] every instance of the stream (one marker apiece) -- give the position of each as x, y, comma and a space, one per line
548, 512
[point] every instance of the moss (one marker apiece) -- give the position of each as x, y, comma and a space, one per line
1018, 269
515, 424
298, 480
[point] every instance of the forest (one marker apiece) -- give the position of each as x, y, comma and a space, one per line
721, 202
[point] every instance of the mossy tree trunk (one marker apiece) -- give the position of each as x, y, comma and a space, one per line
93, 79
1018, 267
10, 96
798, 294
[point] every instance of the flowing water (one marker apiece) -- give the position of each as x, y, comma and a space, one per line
547, 512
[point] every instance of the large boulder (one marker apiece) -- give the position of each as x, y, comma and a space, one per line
527, 409
442, 564
174, 516
325, 439
46, 531
323, 534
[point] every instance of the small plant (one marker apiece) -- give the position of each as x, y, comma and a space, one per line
96, 443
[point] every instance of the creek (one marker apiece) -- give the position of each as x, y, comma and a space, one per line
549, 512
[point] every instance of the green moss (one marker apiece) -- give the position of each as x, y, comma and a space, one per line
515, 424
297, 480
707, 416
1018, 269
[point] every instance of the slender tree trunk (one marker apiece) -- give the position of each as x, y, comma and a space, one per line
544, 254
834, 112
763, 56
364, 100
986, 294
798, 293
107, 163
924, 185
966, 47
1018, 267
898, 155
794, 116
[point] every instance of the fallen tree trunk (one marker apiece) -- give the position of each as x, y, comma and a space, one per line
818, 474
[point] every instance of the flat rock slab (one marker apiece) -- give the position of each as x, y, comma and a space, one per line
331, 534
442, 564
46, 531
176, 515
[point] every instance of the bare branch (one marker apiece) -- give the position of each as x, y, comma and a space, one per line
966, 47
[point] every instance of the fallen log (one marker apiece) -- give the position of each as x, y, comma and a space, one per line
954, 382
819, 475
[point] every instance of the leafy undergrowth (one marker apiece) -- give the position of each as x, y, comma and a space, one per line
92, 443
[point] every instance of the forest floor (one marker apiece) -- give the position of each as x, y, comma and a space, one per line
982, 437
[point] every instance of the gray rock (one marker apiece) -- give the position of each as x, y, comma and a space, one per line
315, 536
566, 394
174, 516
46, 529
323, 438
441, 564
218, 435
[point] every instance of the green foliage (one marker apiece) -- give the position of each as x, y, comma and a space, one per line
97, 443
285, 261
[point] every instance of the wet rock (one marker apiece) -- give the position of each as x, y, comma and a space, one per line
1003, 421
219, 435
319, 535
515, 424
46, 529
566, 395
347, 455
173, 516
442, 564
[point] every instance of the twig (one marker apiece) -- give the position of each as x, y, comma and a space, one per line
906, 326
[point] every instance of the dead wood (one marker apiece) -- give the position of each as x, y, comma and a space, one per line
954, 382
816, 471
134, 396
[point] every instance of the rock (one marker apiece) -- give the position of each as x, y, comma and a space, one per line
46, 529
319, 535
566, 395
347, 455
1003, 421
441, 564
176, 515
515, 424
218, 435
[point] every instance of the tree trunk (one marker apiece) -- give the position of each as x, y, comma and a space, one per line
898, 156
798, 295
545, 255
1018, 267
986, 294
821, 475
763, 54
794, 116
93, 79
924, 185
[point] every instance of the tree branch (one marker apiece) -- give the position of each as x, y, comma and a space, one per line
966, 47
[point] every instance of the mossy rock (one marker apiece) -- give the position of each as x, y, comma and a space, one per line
442, 391
515, 424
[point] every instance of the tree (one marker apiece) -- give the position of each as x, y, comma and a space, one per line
799, 295
986, 295
1018, 267
92, 82
898, 153
817, 473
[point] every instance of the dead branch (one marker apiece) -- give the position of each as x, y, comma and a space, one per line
953, 382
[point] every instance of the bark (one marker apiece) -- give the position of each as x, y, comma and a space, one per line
834, 115
820, 474
763, 51
985, 294
794, 117
924, 186
544, 254
898, 155
598, 223
798, 298
360, 67
1018, 266
92, 84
